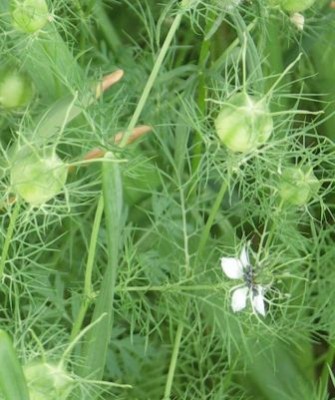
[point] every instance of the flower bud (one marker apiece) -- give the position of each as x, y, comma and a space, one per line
298, 20
298, 185
244, 123
293, 6
30, 16
37, 175
47, 381
16, 89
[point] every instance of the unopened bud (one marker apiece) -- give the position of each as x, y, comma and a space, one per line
16, 89
30, 15
298, 185
298, 20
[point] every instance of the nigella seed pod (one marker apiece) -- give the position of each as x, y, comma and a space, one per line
298, 185
293, 6
244, 123
37, 175
47, 381
29, 16
16, 89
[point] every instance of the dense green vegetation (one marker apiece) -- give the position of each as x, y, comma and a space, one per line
167, 199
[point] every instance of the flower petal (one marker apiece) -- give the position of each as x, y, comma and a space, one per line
244, 257
239, 299
232, 267
257, 301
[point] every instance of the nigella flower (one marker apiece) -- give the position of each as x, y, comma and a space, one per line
240, 268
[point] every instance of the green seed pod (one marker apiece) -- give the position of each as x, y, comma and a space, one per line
47, 381
244, 123
293, 6
37, 175
30, 16
16, 89
298, 185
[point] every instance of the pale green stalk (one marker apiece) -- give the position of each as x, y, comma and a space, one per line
88, 292
9, 236
96, 347
152, 78
173, 361
211, 218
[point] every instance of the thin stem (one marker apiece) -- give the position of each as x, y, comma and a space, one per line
80, 317
270, 234
88, 293
253, 60
180, 328
96, 348
173, 361
92, 248
202, 91
283, 75
8, 239
76, 338
217, 64
170, 287
206, 231
110, 34
185, 234
329, 360
152, 78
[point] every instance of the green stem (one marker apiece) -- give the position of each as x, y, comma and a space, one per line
170, 288
95, 351
329, 361
106, 26
92, 249
173, 361
275, 63
8, 239
269, 234
180, 328
202, 92
88, 292
219, 62
80, 318
152, 78
253, 60
211, 218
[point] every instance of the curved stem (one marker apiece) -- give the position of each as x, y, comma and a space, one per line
152, 78
9, 236
173, 361
205, 233
88, 293
95, 351
253, 60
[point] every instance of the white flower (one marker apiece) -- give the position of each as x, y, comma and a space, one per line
240, 268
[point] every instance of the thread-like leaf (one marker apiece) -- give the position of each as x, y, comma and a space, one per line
12, 381
95, 351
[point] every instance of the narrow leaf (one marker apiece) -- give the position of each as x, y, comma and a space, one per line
12, 381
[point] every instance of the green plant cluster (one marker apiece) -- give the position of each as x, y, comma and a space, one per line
167, 199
